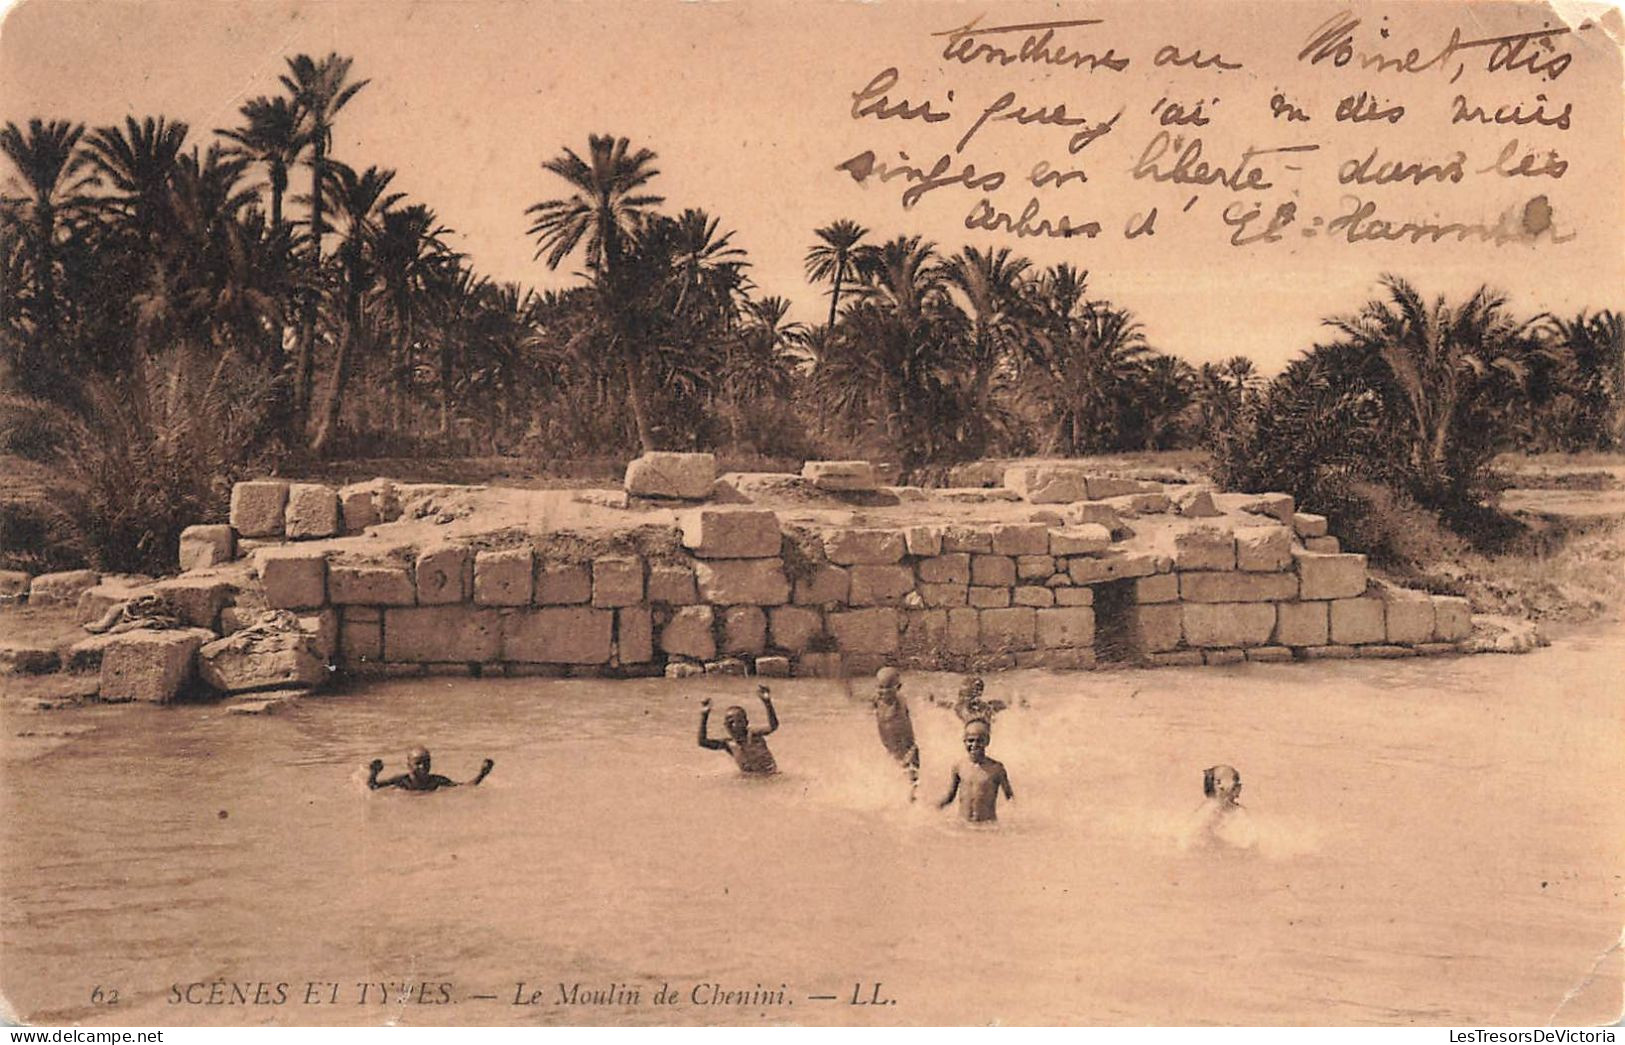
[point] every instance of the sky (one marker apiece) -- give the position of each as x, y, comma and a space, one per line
753, 107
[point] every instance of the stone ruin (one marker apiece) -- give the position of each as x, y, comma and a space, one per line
1062, 567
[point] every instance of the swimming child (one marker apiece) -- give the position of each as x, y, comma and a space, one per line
417, 776
970, 707
896, 728
744, 743
978, 779
1221, 820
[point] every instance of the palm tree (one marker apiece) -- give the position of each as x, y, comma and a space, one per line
1592, 350
1085, 368
273, 133
318, 90
994, 285
604, 215
45, 157
361, 201
697, 252
1439, 356
136, 162
902, 273
833, 258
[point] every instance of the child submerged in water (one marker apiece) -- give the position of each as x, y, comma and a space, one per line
969, 705
978, 779
417, 776
744, 743
1221, 820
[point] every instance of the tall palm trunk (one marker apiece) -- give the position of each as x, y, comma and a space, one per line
835, 294
306, 366
634, 398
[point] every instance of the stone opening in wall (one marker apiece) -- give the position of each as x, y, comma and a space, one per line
1114, 602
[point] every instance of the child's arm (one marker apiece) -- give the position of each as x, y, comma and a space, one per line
1004, 782
485, 771
705, 717
373, 783
953, 789
772, 716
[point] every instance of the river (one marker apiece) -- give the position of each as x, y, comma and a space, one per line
1439, 842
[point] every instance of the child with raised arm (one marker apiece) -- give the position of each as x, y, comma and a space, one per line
417, 776
978, 779
744, 743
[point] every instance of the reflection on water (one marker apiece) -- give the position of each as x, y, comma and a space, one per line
1436, 842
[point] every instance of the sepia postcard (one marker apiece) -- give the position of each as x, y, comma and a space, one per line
766, 513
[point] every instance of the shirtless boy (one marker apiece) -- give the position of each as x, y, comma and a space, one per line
977, 780
896, 728
744, 743
1221, 820
417, 776
970, 707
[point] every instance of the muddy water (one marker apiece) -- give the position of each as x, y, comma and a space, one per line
1438, 842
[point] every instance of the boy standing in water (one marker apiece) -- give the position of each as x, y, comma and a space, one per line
977, 780
745, 744
970, 707
1221, 820
896, 728
417, 776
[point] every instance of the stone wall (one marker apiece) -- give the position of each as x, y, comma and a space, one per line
734, 590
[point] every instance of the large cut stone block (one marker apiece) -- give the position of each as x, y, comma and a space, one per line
444, 572
664, 474
1452, 618
824, 585
1357, 621
293, 578
1021, 539
205, 546
446, 634
149, 665
988, 597
672, 584
1205, 548
793, 627
1047, 484
925, 634
1263, 548
865, 631
563, 583
322, 628
617, 581
732, 582
361, 638
1102, 487
1330, 576
1407, 616
1302, 624
1155, 629
503, 578
634, 635
313, 511
1324, 545
950, 568
1033, 595
196, 601
1096, 513
944, 594
1066, 626
257, 507
1237, 587
868, 547
964, 630
256, 659
1277, 506
690, 633
731, 533
1112, 566
551, 635
1083, 539
840, 475
1211, 625
61, 589
95, 602
744, 630
1307, 524
923, 541
880, 585
1074, 596
966, 539
1195, 502
997, 571
369, 585
367, 504
1163, 587
1035, 568
1015, 628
